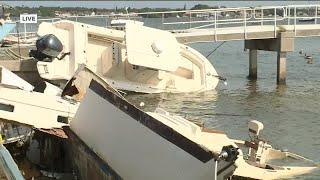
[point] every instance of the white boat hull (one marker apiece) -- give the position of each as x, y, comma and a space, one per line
139, 59
136, 145
35, 109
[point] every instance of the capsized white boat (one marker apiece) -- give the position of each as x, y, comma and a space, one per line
159, 145
138, 58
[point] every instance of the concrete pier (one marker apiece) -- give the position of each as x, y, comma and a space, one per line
281, 68
283, 44
253, 56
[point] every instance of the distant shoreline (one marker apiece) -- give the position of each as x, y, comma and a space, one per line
64, 12
50, 12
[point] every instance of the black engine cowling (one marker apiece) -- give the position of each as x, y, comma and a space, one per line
48, 48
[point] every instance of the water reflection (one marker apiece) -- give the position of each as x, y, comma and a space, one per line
252, 86
175, 103
281, 89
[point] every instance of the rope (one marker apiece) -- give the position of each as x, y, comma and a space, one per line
9, 55
215, 49
219, 77
17, 55
225, 114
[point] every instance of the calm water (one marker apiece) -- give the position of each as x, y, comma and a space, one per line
290, 113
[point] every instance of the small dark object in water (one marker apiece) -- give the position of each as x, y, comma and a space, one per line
301, 51
309, 61
308, 58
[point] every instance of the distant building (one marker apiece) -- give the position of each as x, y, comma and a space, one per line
62, 14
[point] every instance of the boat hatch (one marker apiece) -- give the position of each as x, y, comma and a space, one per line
152, 48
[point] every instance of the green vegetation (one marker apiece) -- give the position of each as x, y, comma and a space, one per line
200, 6
81, 11
48, 12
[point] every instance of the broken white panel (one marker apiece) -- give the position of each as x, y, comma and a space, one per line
52, 89
35, 109
9, 78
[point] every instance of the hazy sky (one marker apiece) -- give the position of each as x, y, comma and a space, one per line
151, 4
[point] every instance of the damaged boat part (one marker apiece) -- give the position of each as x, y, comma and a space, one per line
12, 133
112, 111
19, 104
138, 58
35, 109
167, 148
9, 78
258, 164
188, 159
47, 88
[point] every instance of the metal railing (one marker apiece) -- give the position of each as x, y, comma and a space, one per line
242, 17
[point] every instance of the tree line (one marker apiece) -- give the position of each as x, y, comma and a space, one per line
43, 11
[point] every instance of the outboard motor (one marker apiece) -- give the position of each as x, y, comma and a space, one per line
48, 48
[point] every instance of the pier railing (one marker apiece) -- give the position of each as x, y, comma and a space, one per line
214, 19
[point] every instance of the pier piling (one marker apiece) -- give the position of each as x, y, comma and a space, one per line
283, 44
253, 56
281, 68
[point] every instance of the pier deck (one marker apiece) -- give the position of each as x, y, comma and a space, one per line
240, 33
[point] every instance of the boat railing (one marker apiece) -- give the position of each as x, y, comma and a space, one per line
26, 31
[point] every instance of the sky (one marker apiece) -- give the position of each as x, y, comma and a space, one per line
151, 4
